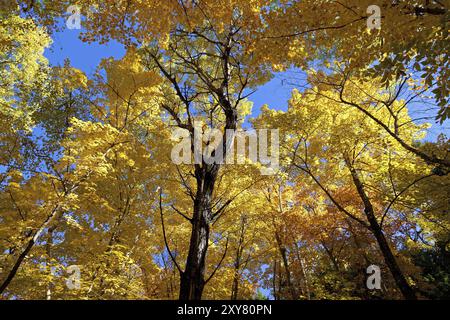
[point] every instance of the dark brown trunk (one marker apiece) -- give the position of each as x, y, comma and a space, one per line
34, 236
400, 280
192, 280
282, 248
16, 266
235, 287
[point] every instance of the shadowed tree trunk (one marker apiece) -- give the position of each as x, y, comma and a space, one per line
282, 247
32, 239
238, 260
286, 266
225, 89
192, 279
374, 226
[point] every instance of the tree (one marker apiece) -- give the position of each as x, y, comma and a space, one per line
203, 61
103, 173
405, 36
323, 146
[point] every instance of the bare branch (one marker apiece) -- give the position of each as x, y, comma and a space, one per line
164, 233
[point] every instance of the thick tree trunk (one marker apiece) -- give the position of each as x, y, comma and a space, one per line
192, 280
400, 280
391, 262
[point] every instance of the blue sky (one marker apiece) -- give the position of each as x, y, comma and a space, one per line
275, 93
86, 57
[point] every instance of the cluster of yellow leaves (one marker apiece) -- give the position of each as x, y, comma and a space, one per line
97, 200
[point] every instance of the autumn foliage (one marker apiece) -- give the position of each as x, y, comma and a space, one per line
87, 180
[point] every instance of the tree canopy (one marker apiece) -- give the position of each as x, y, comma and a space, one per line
93, 205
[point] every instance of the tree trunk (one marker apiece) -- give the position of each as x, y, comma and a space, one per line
406, 290
303, 271
33, 238
238, 259
287, 271
282, 248
400, 280
235, 288
237, 267
192, 280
